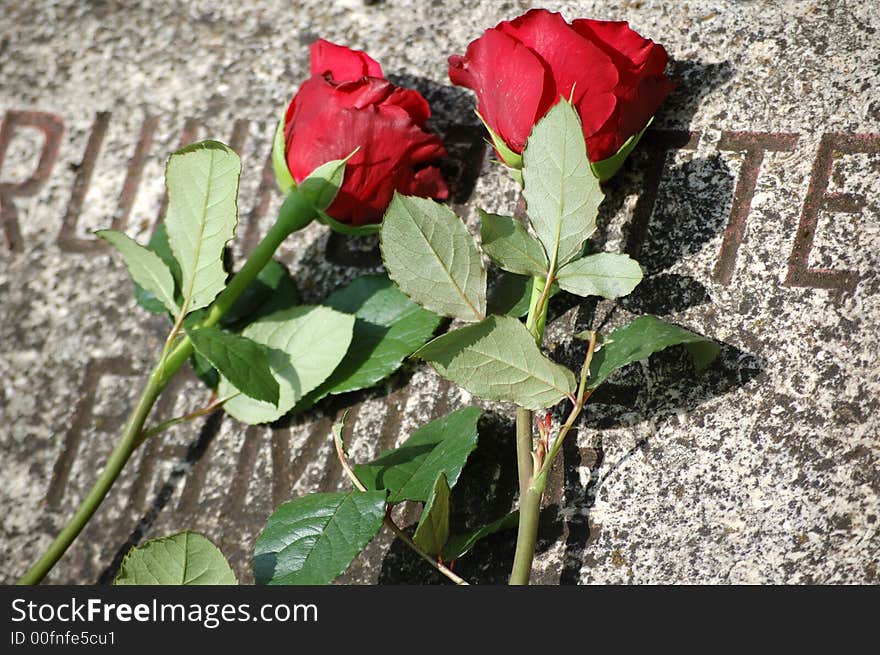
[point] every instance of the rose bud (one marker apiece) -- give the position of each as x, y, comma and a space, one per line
348, 106
520, 68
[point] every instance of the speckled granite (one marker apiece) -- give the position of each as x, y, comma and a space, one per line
753, 206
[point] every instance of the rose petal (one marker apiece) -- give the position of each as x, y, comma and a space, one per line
413, 103
615, 77
650, 94
600, 119
509, 81
428, 183
627, 47
643, 84
573, 60
341, 62
363, 92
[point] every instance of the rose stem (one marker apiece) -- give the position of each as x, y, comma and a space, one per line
530, 505
296, 212
529, 499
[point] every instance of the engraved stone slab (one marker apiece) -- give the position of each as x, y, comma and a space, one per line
753, 205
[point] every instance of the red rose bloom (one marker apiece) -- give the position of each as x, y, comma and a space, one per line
520, 68
348, 104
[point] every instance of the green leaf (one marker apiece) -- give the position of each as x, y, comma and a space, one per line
272, 290
609, 275
432, 257
562, 194
459, 544
433, 529
511, 294
202, 181
243, 362
279, 160
305, 345
311, 540
146, 267
605, 169
388, 327
186, 558
497, 359
409, 472
639, 339
159, 244
204, 371
510, 246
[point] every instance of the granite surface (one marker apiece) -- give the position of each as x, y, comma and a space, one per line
753, 206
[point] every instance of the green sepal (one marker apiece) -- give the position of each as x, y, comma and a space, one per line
605, 169
279, 160
511, 159
348, 230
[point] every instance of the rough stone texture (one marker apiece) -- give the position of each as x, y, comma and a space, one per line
764, 469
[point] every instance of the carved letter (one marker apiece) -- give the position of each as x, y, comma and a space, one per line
831, 147
52, 128
755, 144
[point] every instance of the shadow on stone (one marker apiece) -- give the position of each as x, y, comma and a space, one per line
454, 120
641, 393
694, 81
665, 293
690, 209
681, 214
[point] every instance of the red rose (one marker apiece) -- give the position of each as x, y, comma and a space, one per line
519, 69
348, 104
